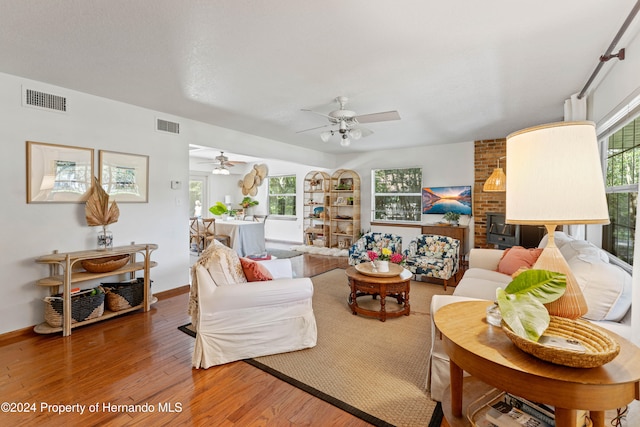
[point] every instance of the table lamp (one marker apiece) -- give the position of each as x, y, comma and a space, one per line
555, 178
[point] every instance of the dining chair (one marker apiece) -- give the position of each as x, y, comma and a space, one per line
196, 238
210, 233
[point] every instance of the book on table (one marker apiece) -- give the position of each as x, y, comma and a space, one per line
538, 410
543, 412
503, 414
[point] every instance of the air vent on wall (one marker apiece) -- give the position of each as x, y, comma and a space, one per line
43, 100
167, 126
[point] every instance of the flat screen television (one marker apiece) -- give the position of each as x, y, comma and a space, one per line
440, 200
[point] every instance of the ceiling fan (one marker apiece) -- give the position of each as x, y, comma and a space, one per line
348, 122
222, 163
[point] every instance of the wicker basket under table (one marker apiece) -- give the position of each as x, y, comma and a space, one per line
83, 307
124, 295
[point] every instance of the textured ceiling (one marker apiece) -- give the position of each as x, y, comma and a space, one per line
455, 71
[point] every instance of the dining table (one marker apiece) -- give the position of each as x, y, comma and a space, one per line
247, 237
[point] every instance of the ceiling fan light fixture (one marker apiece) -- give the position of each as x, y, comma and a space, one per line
345, 141
220, 170
355, 134
324, 136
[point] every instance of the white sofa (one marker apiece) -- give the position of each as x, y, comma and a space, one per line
236, 319
606, 287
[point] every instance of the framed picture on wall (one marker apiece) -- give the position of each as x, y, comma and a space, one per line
58, 173
440, 200
125, 177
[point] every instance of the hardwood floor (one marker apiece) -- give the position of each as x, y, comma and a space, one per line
136, 370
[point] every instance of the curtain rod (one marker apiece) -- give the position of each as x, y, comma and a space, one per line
607, 55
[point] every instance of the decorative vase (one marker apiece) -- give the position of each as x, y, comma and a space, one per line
105, 238
494, 317
382, 266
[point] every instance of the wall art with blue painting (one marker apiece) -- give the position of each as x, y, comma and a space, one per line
440, 200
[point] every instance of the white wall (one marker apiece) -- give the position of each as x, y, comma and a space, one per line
620, 80
620, 83
32, 230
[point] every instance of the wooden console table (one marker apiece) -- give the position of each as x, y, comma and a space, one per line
485, 352
64, 271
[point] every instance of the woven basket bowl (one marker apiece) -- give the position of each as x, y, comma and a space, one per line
106, 264
600, 347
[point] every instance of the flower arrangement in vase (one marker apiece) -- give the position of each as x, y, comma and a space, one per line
381, 260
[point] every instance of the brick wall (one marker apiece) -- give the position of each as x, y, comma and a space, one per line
486, 157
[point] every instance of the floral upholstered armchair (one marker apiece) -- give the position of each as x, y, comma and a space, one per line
373, 242
432, 255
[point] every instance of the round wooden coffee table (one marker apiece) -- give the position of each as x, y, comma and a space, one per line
394, 286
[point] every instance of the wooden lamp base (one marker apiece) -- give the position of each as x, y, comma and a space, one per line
571, 304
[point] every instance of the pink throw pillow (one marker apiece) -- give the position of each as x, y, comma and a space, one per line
516, 258
254, 271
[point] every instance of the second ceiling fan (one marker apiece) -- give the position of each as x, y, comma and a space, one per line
222, 163
348, 122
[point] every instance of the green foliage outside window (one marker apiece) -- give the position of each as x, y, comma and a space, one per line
397, 195
282, 195
623, 167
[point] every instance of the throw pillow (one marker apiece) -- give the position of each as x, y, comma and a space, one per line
517, 257
253, 271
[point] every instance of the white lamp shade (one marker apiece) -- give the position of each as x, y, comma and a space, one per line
555, 176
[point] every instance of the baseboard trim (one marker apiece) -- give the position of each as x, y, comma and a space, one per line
172, 292
18, 335
28, 332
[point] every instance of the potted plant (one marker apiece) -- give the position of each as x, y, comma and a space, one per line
219, 209
247, 202
452, 217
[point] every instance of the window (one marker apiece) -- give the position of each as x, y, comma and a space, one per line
622, 169
282, 195
396, 194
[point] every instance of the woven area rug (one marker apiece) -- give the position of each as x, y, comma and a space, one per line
375, 370
380, 368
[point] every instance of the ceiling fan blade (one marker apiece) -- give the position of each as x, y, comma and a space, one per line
315, 112
319, 127
234, 162
378, 117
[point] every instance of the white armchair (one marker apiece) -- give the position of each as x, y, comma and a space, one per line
236, 319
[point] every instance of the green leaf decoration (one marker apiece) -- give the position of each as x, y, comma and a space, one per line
218, 209
545, 286
523, 313
522, 301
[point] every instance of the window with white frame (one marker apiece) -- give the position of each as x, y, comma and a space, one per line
396, 195
622, 150
282, 195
